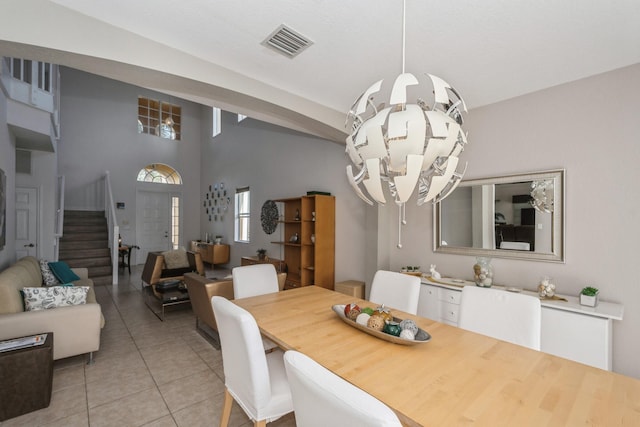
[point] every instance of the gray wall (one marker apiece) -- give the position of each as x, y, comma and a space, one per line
99, 133
7, 164
589, 127
278, 163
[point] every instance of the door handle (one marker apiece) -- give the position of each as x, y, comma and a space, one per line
30, 245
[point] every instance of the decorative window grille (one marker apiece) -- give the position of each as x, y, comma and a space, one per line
157, 172
242, 215
159, 118
217, 122
175, 222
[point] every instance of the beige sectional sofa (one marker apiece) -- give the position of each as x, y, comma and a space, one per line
76, 329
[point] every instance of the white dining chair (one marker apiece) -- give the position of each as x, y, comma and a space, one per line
507, 316
252, 280
396, 290
253, 378
321, 398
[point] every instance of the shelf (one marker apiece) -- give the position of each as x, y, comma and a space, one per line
308, 266
288, 244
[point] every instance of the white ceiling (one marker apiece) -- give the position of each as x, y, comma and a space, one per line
488, 50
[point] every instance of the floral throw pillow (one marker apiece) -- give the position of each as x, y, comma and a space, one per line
44, 298
48, 279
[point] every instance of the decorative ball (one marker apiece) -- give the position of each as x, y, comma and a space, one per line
407, 334
376, 322
368, 310
363, 319
384, 312
410, 325
392, 328
546, 289
351, 311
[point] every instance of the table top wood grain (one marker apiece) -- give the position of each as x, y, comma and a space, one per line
459, 377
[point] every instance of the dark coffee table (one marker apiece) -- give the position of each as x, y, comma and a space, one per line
157, 299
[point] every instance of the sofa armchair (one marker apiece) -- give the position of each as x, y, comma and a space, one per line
156, 268
76, 329
201, 289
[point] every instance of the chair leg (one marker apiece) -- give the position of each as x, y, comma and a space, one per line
226, 408
261, 423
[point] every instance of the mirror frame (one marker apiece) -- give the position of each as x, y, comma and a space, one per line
558, 237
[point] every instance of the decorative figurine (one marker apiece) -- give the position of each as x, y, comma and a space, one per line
433, 272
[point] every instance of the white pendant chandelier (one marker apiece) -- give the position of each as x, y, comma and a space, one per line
406, 144
542, 195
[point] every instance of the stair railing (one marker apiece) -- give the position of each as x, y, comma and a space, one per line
59, 224
112, 226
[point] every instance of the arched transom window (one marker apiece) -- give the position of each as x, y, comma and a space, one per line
158, 172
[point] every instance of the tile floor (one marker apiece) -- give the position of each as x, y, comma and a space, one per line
147, 372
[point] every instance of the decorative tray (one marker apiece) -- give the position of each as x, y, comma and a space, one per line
422, 336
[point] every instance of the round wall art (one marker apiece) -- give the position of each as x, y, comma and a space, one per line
269, 216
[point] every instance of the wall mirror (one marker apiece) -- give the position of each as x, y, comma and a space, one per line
517, 216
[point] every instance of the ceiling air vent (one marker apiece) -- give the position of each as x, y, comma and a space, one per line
287, 41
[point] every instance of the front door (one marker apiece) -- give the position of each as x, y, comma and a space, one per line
153, 210
26, 222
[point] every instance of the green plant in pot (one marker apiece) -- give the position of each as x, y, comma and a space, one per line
262, 253
589, 296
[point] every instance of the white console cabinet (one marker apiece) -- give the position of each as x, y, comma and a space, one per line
568, 329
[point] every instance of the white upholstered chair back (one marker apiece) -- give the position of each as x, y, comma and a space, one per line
257, 381
396, 290
252, 280
321, 398
507, 316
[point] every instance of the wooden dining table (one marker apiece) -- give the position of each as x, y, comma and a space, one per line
456, 378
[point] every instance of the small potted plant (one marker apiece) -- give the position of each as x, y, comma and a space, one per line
262, 253
589, 296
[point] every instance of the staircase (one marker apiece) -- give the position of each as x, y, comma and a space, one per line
85, 244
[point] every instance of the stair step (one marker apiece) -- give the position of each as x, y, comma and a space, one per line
85, 220
102, 280
70, 229
99, 271
82, 244
84, 236
89, 262
74, 252
83, 214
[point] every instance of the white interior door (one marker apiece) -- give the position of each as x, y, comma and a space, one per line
26, 222
153, 216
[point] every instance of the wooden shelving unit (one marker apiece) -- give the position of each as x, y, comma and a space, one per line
310, 259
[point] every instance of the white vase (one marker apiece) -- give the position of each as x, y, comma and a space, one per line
483, 272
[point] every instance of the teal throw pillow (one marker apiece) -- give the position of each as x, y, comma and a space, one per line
63, 272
